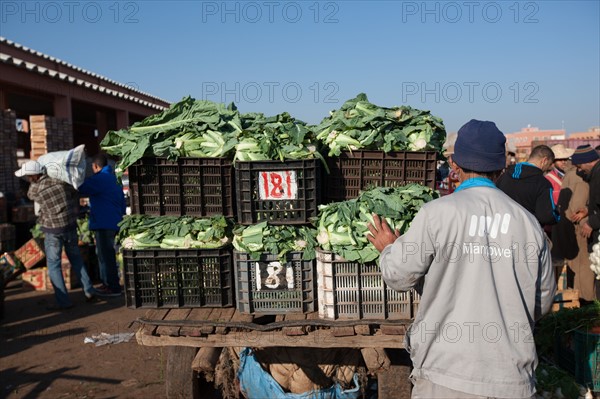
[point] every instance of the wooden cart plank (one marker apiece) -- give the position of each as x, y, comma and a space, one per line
174, 314
362, 329
342, 331
388, 329
242, 317
311, 316
226, 315
153, 314
181, 381
196, 314
206, 360
375, 359
294, 331
321, 338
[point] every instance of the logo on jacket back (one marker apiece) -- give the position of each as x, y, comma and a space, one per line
482, 225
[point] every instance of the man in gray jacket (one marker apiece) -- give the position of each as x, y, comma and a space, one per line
487, 277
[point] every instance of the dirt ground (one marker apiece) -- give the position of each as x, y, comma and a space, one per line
43, 354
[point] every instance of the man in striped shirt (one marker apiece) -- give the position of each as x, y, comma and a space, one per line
58, 203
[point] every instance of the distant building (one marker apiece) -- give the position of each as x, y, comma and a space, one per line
524, 139
592, 134
34, 83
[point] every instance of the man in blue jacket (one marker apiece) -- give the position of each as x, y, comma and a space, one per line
107, 207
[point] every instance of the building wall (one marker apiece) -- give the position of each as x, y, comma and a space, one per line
591, 134
32, 83
524, 139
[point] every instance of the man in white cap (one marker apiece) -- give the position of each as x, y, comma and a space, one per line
58, 203
556, 175
487, 276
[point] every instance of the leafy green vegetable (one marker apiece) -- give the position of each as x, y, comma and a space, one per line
562, 322
36, 231
141, 231
83, 231
359, 124
188, 128
277, 137
280, 240
549, 378
342, 226
86, 236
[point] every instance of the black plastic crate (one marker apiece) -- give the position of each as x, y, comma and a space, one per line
278, 192
266, 286
185, 187
353, 172
352, 290
178, 278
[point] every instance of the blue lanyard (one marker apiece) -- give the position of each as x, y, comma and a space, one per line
475, 182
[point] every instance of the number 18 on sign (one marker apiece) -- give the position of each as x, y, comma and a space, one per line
280, 185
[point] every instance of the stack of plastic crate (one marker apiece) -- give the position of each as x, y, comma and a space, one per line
354, 290
173, 278
353, 172
281, 193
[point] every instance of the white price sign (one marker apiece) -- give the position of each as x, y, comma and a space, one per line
280, 185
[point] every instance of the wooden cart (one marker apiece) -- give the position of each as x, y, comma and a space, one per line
195, 337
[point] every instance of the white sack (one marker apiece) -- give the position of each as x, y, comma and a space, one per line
68, 166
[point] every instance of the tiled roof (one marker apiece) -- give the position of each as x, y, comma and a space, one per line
32, 67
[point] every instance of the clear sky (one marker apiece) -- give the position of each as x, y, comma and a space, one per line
512, 62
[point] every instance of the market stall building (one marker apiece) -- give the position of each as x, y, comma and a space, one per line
78, 106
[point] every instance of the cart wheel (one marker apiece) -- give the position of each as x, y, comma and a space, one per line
182, 381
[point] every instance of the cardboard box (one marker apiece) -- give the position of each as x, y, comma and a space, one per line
35, 280
39, 279
31, 253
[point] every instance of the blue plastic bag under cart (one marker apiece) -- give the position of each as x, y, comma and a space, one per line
256, 383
